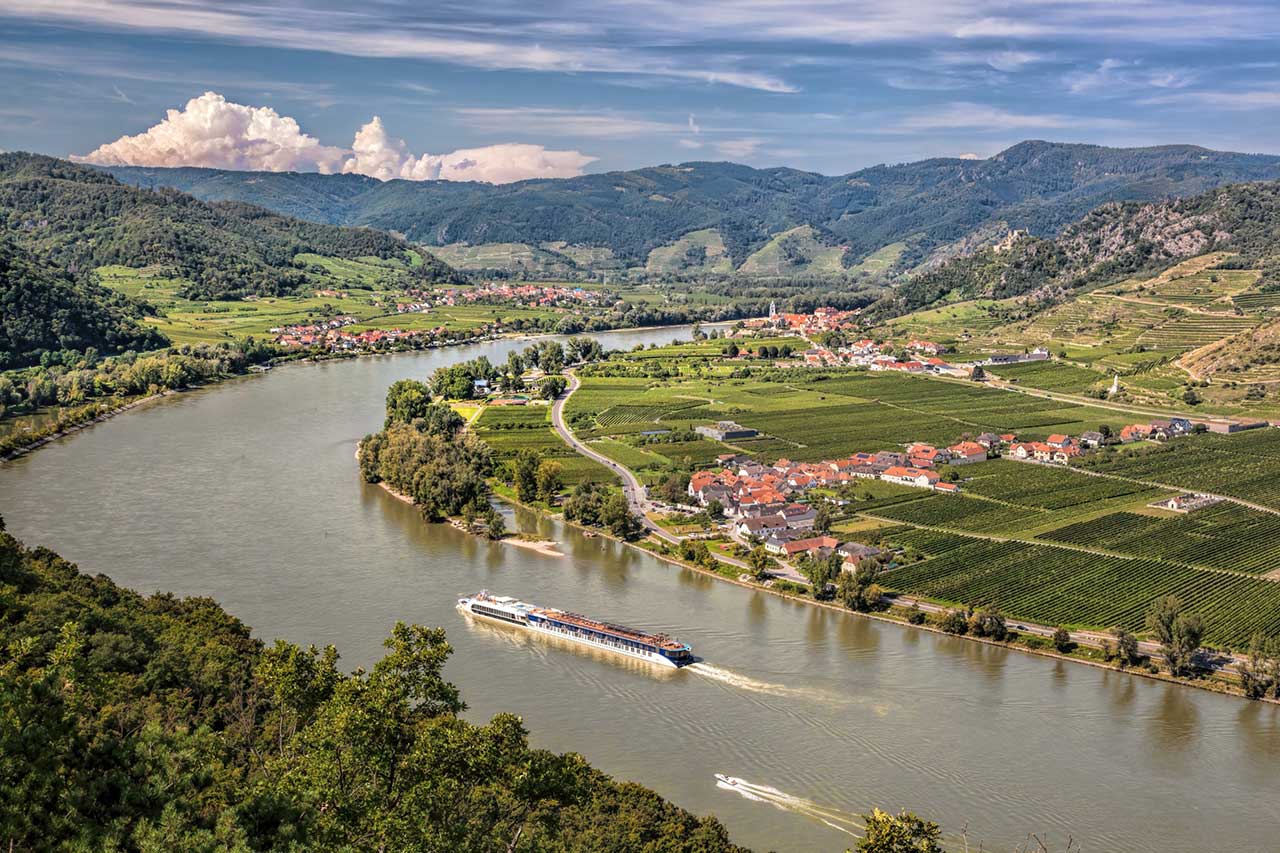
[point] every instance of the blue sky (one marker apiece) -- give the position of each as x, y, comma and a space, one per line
827, 86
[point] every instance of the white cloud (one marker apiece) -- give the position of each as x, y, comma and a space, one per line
212, 132
969, 155
215, 133
692, 144
739, 149
376, 154
1116, 76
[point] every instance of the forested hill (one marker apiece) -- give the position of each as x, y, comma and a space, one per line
161, 723
1113, 242
46, 309
930, 205
81, 218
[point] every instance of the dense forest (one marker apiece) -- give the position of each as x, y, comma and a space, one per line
81, 218
1110, 243
161, 723
1037, 186
44, 309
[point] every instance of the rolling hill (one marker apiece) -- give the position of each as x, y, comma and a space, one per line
46, 309
81, 218
932, 206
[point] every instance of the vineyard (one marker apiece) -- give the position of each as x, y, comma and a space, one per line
1224, 536
1056, 586
1243, 466
510, 429
1051, 376
1045, 487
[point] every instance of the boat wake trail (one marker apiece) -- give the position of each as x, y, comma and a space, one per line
845, 822
754, 685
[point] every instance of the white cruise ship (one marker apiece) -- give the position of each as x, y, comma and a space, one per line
655, 648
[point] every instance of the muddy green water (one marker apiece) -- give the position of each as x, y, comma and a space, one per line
248, 493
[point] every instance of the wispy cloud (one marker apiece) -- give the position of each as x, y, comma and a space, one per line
1121, 77
546, 121
970, 116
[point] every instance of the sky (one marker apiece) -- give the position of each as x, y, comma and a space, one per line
500, 90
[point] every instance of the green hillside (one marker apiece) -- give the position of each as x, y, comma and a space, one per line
44, 309
81, 218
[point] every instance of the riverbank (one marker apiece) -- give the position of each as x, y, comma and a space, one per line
59, 431
898, 615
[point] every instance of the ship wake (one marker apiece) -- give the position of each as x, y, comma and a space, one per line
845, 822
755, 685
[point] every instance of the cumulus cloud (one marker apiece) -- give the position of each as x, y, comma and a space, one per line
212, 132
217, 134
375, 153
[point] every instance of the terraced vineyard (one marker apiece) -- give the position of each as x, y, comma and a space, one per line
1053, 586
1189, 331
1258, 301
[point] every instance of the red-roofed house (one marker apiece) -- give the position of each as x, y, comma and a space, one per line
910, 476
966, 452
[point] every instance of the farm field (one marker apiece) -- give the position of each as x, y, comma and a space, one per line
1052, 376
510, 429
371, 284
1057, 586
1242, 466
697, 251
1224, 536
189, 322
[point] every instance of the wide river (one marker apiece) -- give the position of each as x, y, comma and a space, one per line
248, 492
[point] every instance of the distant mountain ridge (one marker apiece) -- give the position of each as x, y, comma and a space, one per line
928, 206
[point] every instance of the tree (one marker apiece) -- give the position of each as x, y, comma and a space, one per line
715, 510
820, 573
1191, 397
759, 561
1178, 633
552, 387
954, 622
549, 480
857, 589
822, 519
1260, 674
1125, 648
407, 399
494, 526
618, 519
525, 472
988, 622
900, 833
732, 349
1062, 640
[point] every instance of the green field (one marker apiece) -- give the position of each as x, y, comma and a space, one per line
1052, 376
510, 429
696, 252
795, 251
1057, 586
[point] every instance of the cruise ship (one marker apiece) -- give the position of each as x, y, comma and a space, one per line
655, 648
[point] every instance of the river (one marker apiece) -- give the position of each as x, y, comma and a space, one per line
248, 492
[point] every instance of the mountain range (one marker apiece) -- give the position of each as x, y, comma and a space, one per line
704, 217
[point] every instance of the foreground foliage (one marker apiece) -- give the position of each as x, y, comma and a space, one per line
161, 724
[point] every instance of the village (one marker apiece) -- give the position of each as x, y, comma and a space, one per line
495, 293
914, 356
777, 505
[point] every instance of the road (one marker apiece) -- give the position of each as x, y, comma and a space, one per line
639, 504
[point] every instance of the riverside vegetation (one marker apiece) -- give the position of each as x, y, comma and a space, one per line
160, 723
